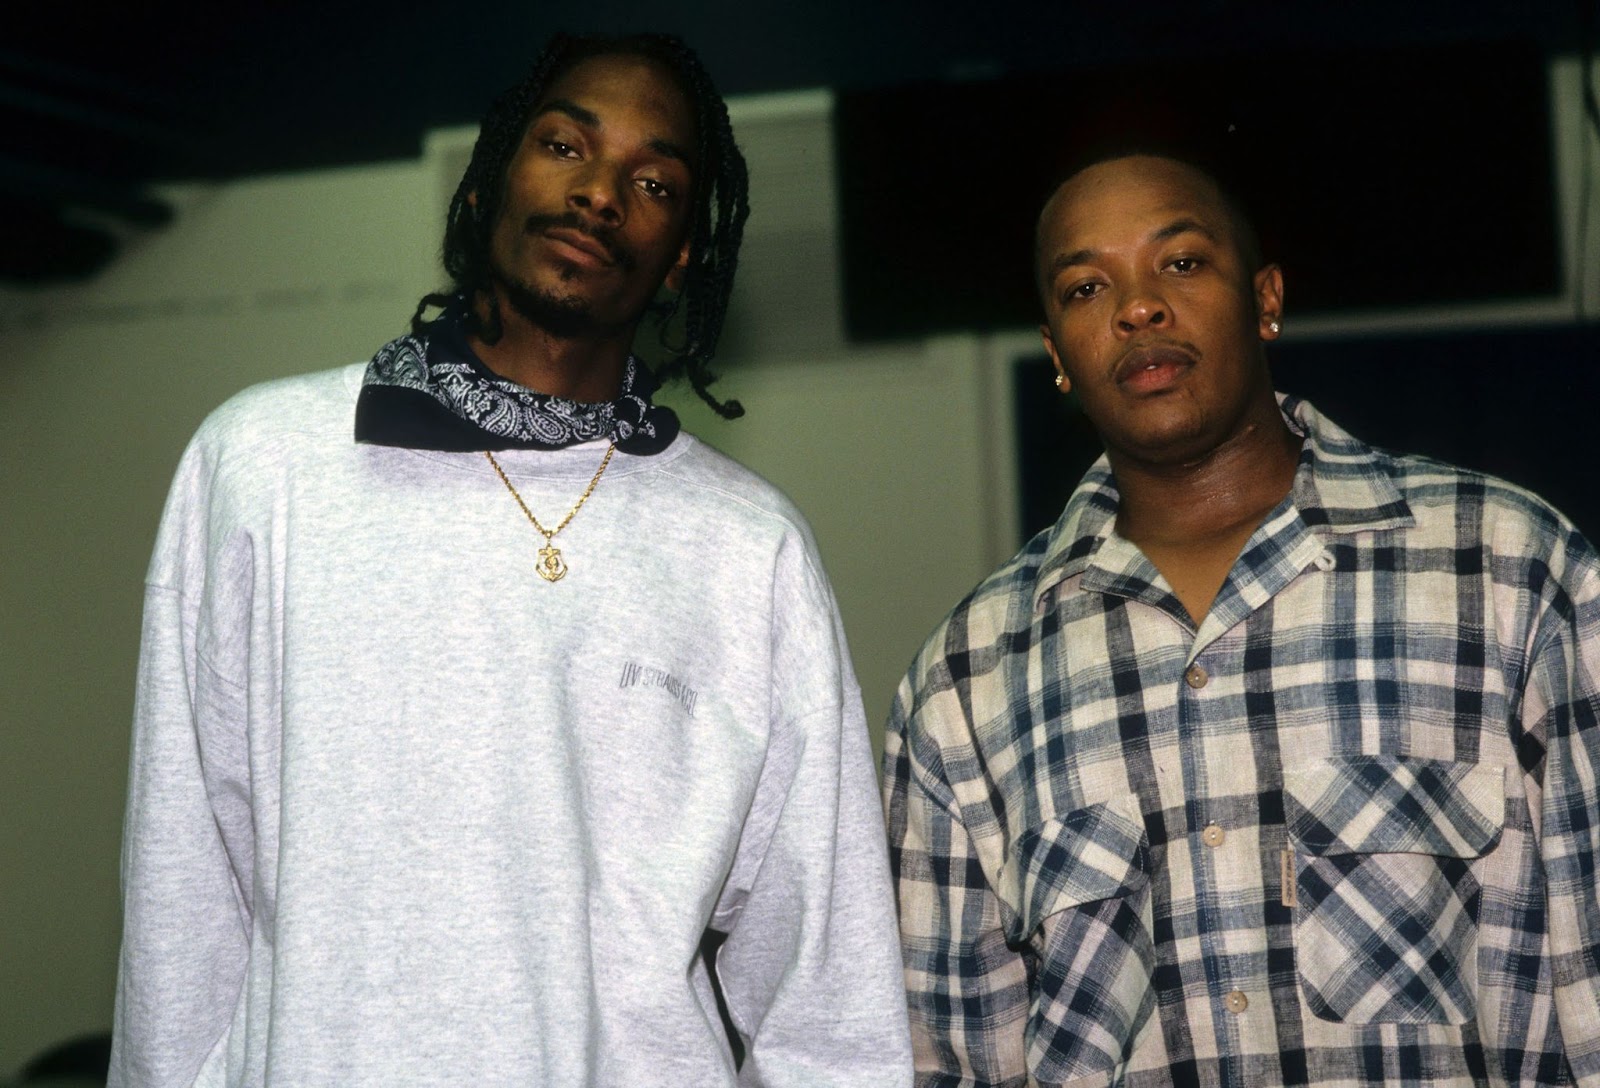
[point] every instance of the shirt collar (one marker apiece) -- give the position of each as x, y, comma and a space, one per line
1342, 485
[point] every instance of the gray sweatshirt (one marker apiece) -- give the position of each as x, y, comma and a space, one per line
402, 813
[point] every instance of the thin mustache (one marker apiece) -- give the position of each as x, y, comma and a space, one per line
538, 224
1161, 342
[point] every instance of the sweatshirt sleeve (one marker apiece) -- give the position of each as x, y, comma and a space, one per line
811, 967
186, 836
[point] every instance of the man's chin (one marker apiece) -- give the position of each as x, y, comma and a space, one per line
1170, 438
563, 316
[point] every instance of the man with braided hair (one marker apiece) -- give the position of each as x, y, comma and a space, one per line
474, 695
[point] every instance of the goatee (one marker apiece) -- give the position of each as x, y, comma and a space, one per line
562, 316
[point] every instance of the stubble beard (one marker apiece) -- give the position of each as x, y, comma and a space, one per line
565, 317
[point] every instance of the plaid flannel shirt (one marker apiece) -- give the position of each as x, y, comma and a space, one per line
1345, 833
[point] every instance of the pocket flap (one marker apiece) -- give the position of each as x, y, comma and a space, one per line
1086, 855
1393, 804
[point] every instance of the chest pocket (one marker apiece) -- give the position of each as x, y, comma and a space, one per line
1092, 853
1386, 903
1076, 892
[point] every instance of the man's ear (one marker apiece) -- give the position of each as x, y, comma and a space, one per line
1269, 301
1063, 382
679, 270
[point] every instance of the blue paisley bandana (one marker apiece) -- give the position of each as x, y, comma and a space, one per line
432, 392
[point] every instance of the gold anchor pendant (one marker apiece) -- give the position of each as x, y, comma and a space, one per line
552, 568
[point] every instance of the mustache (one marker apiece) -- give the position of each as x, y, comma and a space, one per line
1157, 343
620, 255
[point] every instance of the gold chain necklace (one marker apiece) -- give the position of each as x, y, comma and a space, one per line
552, 568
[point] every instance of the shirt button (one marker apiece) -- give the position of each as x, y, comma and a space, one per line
1213, 835
1196, 677
1236, 1001
1325, 561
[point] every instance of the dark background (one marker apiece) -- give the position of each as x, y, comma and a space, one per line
98, 100
229, 88
1377, 177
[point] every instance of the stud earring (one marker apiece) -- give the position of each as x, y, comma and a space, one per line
1275, 327
1059, 380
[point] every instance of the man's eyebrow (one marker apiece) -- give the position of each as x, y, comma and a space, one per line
670, 150
1183, 226
571, 109
1171, 230
1067, 260
591, 119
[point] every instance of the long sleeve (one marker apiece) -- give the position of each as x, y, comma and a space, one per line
186, 836
810, 968
1563, 709
967, 990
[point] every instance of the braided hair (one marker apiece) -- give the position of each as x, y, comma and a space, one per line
720, 204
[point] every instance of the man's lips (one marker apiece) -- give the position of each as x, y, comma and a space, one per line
1153, 368
577, 240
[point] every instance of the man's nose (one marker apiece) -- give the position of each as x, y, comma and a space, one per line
1141, 311
598, 191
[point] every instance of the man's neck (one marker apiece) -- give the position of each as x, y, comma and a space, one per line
1239, 481
1192, 519
586, 368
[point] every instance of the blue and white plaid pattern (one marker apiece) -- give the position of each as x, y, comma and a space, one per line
1387, 904
1345, 833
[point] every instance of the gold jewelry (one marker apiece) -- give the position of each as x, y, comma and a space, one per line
552, 568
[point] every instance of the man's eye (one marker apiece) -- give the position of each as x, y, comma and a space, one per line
654, 187
559, 149
1185, 265
1082, 290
